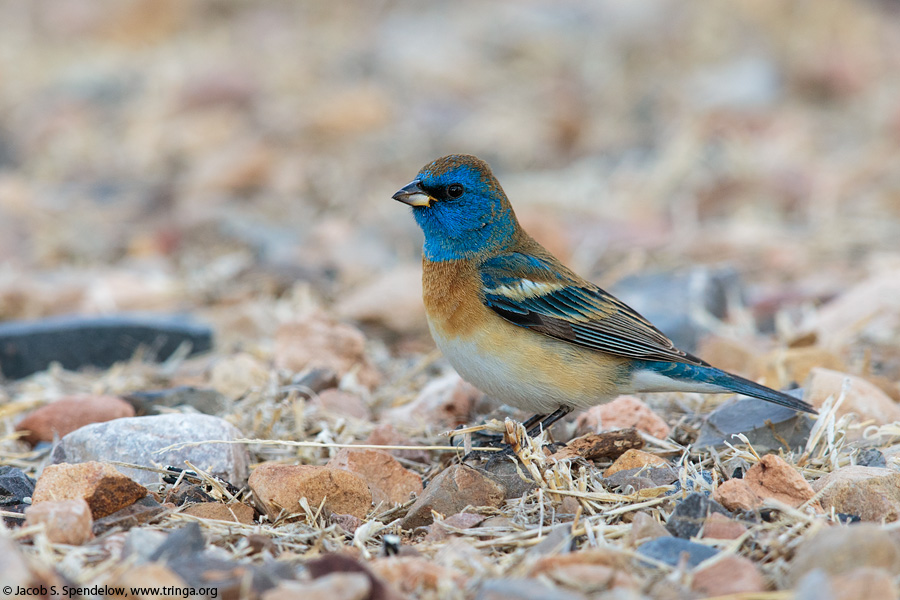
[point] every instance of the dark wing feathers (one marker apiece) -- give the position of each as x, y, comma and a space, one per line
530, 293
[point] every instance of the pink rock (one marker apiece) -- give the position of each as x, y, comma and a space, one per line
865, 583
318, 341
280, 487
451, 491
386, 435
336, 586
871, 493
339, 402
228, 87
237, 374
235, 512
389, 481
71, 413
774, 478
735, 494
14, 570
445, 402
731, 574
862, 306
65, 521
414, 575
149, 575
643, 528
839, 550
392, 299
635, 459
622, 413
102, 486
589, 569
771, 478
863, 398
719, 527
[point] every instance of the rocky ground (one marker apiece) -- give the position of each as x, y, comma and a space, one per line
217, 377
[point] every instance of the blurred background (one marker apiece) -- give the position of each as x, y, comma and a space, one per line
237, 159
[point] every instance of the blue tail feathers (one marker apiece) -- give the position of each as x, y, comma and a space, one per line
728, 382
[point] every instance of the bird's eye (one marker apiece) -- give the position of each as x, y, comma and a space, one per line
454, 190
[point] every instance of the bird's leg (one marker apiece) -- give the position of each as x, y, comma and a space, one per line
496, 441
544, 423
532, 426
532, 421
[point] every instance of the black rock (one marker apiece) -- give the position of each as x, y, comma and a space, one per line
28, 347
689, 515
768, 426
847, 519
12, 521
315, 380
15, 486
670, 549
187, 493
871, 457
205, 400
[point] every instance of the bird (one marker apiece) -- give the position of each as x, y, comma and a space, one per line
522, 327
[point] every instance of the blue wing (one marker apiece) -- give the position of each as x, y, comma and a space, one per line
531, 292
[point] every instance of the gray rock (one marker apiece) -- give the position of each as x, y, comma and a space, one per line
230, 578
871, 457
184, 551
748, 82
137, 440
141, 543
508, 474
641, 478
670, 549
675, 301
522, 589
768, 426
815, 585
181, 542
689, 515
28, 347
557, 540
841, 549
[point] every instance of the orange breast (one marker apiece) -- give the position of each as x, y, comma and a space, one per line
451, 291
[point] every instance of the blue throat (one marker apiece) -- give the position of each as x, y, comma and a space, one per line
453, 233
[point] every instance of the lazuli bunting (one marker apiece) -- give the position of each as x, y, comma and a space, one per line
519, 325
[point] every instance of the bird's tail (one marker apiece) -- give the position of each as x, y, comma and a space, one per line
710, 379
735, 383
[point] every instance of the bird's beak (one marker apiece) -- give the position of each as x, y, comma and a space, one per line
413, 194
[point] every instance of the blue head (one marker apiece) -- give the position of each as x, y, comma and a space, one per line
461, 208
